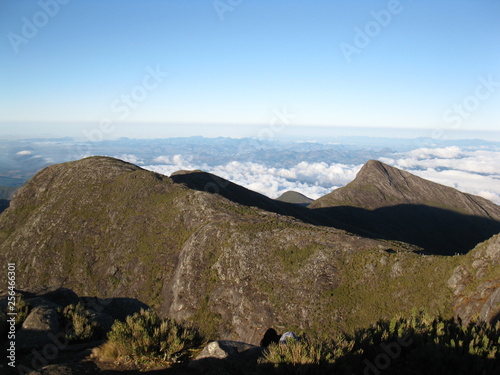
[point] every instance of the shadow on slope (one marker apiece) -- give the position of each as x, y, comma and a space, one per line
438, 231
4, 204
203, 181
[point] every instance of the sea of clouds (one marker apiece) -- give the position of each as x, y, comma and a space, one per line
471, 170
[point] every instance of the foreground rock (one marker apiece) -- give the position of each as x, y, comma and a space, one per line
225, 355
41, 324
46, 325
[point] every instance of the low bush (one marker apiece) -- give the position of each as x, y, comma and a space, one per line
145, 338
295, 357
82, 328
417, 345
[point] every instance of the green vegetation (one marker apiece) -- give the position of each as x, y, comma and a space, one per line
379, 284
83, 328
144, 338
23, 309
208, 322
293, 257
417, 345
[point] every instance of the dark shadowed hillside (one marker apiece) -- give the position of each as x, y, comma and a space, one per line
395, 204
108, 228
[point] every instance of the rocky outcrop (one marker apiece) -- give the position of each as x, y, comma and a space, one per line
228, 356
42, 321
45, 323
476, 283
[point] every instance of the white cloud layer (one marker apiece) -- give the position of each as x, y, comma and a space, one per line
472, 171
24, 152
311, 179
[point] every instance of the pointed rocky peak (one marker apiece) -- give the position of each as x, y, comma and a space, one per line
375, 171
379, 185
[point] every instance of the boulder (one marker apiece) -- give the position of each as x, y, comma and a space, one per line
225, 355
104, 321
61, 296
38, 328
42, 318
117, 308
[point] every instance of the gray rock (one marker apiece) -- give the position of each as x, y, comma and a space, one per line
42, 318
37, 328
222, 355
117, 308
104, 321
62, 297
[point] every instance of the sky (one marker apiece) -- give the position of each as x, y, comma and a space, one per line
234, 67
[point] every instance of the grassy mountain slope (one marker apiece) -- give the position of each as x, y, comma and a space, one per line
104, 227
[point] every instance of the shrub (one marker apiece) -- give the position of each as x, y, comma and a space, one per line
295, 357
23, 309
83, 328
415, 345
144, 337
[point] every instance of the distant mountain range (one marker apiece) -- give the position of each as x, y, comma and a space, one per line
235, 262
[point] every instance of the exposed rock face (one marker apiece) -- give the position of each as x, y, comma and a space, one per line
100, 226
476, 283
395, 204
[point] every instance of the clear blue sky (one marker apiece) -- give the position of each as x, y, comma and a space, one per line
239, 64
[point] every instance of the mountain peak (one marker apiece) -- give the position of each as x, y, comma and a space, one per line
381, 174
397, 204
379, 185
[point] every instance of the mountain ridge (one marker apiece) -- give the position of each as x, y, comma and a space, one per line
396, 204
379, 185
108, 228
